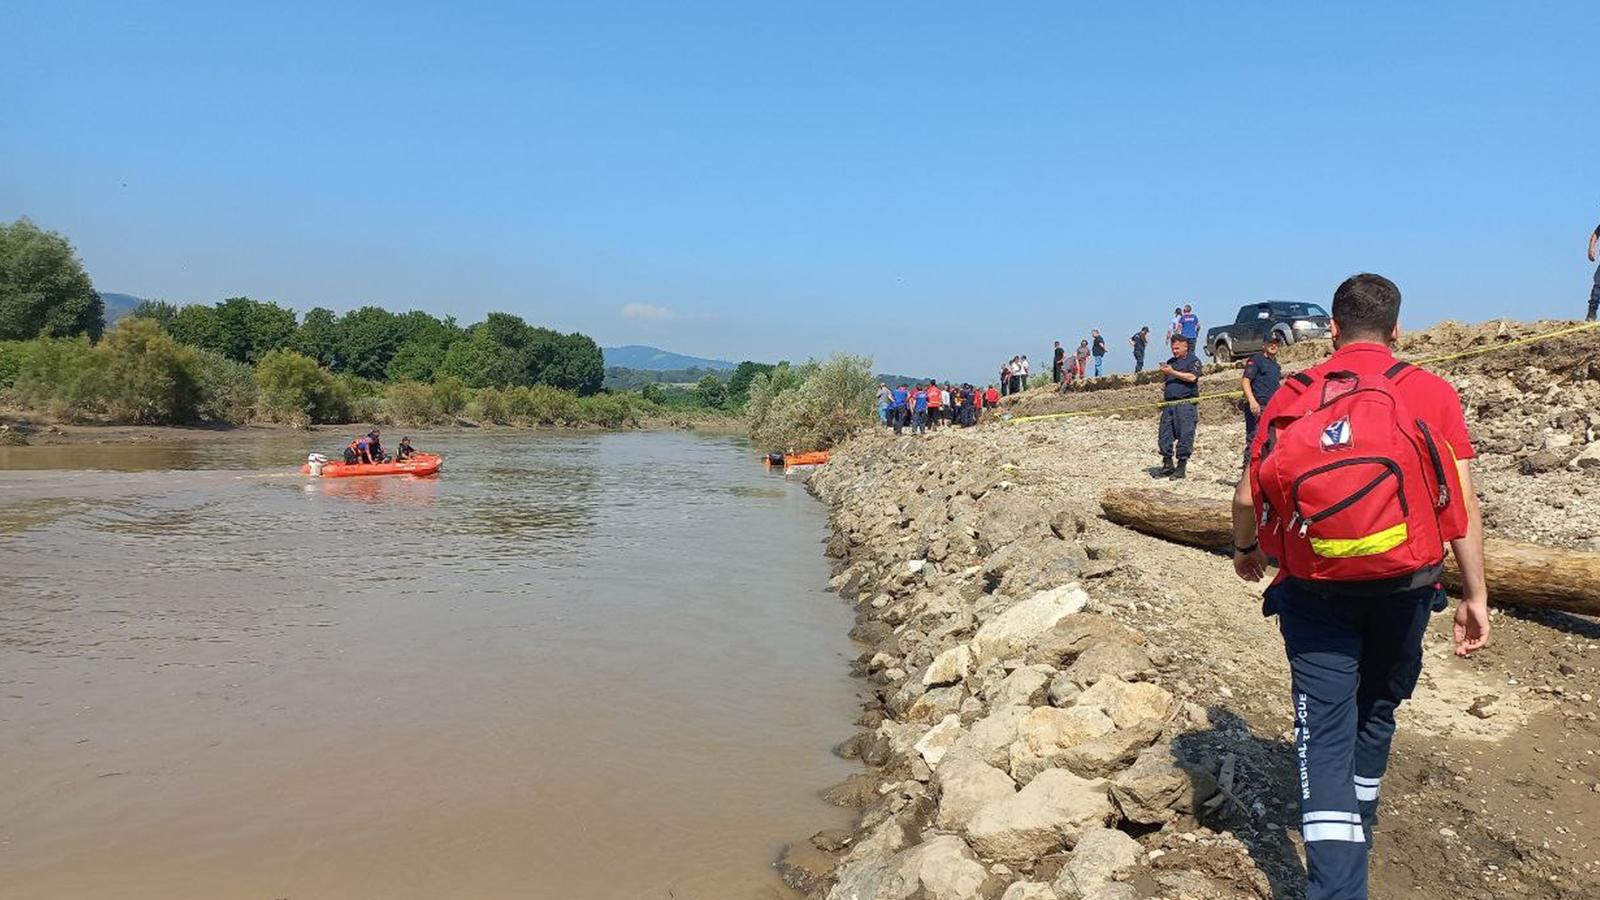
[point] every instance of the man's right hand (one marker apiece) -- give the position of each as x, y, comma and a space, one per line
1255, 408
1250, 566
1471, 625
1591, 255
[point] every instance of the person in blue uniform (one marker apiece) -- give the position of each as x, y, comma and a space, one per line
1261, 376
1179, 420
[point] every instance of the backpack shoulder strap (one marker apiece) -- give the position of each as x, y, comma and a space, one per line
1299, 382
1399, 370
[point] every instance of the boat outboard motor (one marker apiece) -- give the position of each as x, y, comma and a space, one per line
315, 462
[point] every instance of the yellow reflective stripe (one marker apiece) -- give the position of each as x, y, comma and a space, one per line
1371, 545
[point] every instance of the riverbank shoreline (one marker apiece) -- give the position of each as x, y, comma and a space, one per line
1063, 708
29, 430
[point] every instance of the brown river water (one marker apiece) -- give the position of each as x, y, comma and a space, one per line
596, 666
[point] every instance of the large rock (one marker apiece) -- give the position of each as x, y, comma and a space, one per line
990, 738
1026, 686
933, 745
935, 704
1121, 659
942, 868
966, 785
1046, 730
805, 867
1109, 754
1158, 787
1127, 704
1074, 635
1045, 816
1589, 458
949, 667
1100, 855
1010, 633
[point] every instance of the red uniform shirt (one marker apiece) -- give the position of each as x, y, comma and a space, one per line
992, 398
1425, 393
935, 399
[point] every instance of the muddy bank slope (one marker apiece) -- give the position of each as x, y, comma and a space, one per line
1063, 708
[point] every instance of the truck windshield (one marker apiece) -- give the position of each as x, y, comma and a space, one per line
1301, 310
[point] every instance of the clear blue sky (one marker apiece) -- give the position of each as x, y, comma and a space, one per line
936, 185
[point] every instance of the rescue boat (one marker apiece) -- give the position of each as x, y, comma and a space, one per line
812, 458
419, 465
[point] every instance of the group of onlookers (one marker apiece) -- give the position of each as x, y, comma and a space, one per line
927, 406
1014, 376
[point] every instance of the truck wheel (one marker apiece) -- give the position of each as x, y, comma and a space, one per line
1222, 351
1285, 336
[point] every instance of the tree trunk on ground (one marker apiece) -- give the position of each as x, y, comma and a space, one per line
1519, 573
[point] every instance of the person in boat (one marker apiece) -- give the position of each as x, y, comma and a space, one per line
359, 451
376, 446
405, 451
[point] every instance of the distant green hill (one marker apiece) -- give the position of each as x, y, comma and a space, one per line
118, 305
640, 356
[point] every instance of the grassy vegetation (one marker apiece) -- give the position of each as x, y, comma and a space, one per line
811, 407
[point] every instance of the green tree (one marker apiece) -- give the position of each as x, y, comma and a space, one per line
652, 393
198, 326
576, 364
250, 329
318, 337
423, 344
739, 381
368, 340
44, 290
480, 361
159, 311
150, 379
710, 392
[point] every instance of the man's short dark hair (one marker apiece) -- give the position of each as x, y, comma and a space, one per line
1179, 339
1367, 306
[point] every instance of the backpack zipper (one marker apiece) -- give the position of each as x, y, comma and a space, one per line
1438, 463
1390, 468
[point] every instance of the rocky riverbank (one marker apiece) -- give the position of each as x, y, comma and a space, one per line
1061, 708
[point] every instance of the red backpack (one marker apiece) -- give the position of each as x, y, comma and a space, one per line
1350, 486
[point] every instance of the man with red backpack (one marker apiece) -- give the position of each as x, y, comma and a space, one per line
1359, 475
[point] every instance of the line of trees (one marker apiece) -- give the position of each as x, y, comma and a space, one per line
376, 344
243, 359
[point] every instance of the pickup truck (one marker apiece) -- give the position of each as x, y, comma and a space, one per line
1289, 321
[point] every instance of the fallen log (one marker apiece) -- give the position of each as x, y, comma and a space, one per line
1519, 573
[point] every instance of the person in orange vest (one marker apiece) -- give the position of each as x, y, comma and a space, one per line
935, 404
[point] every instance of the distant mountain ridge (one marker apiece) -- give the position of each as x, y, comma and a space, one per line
655, 359
118, 305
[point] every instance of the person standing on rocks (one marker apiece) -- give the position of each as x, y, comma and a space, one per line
1594, 292
1022, 370
1058, 361
1139, 342
1261, 376
1175, 328
1367, 478
884, 401
1178, 420
1098, 349
899, 406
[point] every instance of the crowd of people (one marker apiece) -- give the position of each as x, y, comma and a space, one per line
923, 407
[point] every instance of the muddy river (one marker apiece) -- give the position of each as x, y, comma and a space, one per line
594, 666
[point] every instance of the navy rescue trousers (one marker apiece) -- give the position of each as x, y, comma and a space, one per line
1177, 430
1594, 294
1352, 660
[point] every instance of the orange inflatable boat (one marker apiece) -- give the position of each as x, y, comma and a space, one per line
420, 465
813, 458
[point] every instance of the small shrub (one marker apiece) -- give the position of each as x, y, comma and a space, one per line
11, 354
449, 396
297, 391
149, 378
63, 377
541, 404
607, 410
490, 405
228, 391
409, 403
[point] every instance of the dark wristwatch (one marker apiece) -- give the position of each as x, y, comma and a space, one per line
1249, 549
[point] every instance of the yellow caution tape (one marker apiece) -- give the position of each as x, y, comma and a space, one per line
1234, 395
